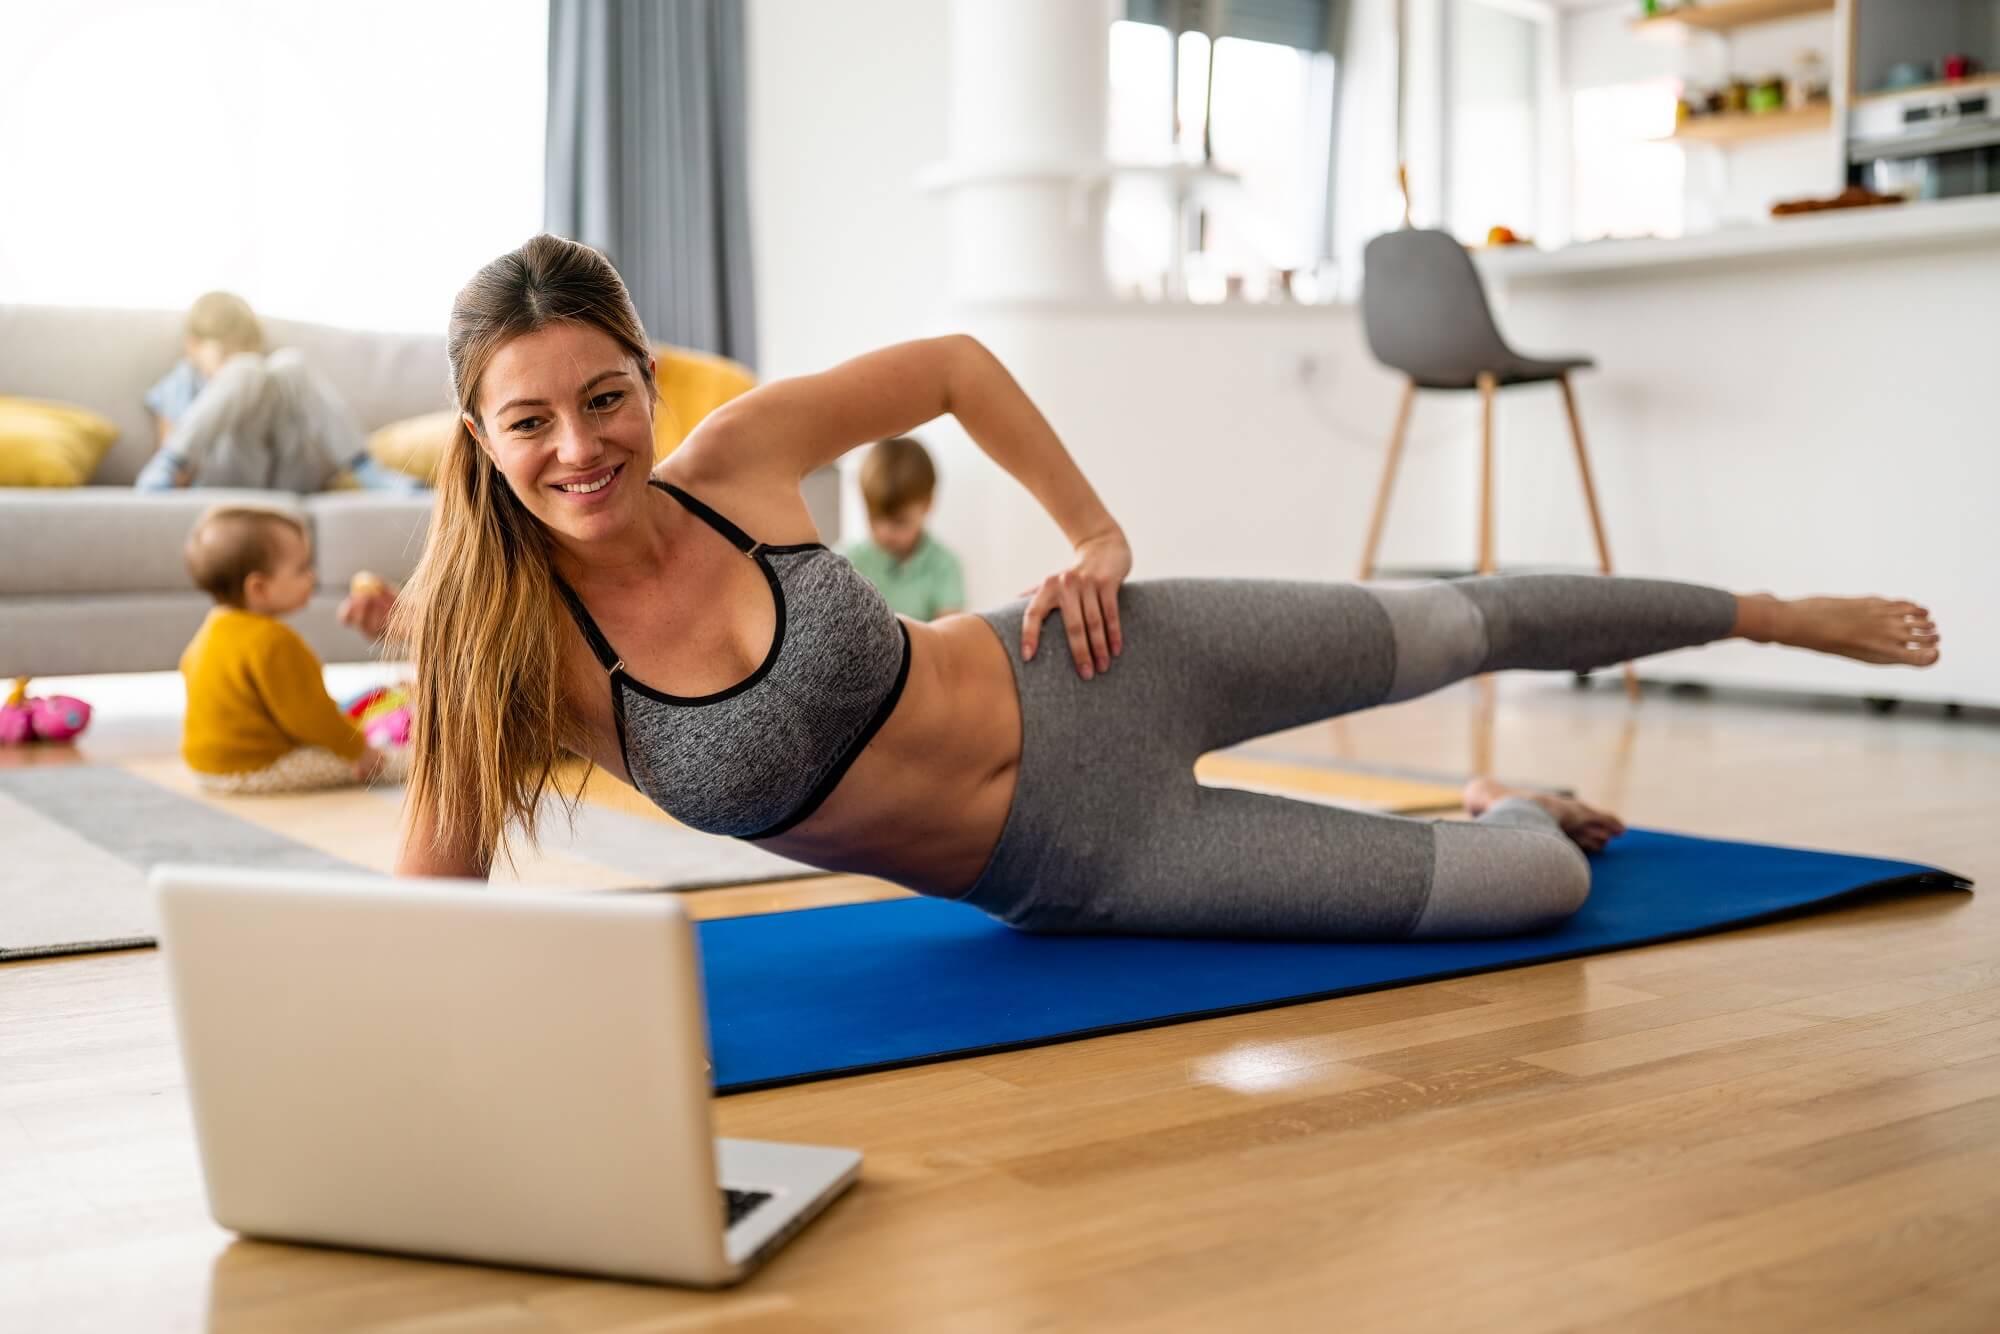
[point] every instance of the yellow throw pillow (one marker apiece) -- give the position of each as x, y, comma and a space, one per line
692, 385
50, 444
415, 444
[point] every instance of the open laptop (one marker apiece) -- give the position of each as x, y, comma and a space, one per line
447, 1069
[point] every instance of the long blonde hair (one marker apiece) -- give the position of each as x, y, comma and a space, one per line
482, 613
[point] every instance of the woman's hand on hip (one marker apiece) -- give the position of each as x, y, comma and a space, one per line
1087, 596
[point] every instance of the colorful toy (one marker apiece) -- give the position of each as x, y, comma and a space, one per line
382, 714
53, 718
16, 718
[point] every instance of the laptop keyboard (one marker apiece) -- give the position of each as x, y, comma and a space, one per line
737, 1204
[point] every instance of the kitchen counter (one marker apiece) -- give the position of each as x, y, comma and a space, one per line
1970, 221
1807, 406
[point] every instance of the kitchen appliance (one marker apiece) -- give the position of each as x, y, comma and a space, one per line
1930, 143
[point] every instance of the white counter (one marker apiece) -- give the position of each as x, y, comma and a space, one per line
1810, 406
1970, 222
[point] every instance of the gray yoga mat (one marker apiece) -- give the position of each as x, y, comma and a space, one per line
80, 838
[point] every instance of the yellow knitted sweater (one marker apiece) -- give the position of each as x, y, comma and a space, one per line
254, 693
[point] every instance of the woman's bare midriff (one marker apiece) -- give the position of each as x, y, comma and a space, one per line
924, 803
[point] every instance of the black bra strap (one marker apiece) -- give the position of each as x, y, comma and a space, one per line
598, 643
601, 646
742, 540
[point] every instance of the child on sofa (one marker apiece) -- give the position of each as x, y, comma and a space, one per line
258, 715
228, 415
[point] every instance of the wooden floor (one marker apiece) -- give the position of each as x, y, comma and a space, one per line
1788, 1128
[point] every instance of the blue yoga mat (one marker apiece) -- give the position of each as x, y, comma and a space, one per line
821, 992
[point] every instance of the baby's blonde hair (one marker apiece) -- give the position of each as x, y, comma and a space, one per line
226, 318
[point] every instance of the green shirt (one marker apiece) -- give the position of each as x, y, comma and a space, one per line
924, 584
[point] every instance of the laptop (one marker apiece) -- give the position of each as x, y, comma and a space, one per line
449, 1069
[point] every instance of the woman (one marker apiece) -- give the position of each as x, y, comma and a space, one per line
687, 632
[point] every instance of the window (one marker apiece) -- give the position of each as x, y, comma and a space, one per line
352, 163
1237, 135
1626, 182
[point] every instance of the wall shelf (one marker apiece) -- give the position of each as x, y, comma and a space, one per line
1973, 84
1722, 15
1731, 127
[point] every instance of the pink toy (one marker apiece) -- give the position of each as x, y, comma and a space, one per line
391, 728
56, 718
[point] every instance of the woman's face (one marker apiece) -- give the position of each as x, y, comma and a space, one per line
565, 416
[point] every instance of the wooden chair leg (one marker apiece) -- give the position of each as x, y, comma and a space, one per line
1590, 502
1381, 514
1487, 385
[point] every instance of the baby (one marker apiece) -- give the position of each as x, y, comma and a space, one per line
258, 715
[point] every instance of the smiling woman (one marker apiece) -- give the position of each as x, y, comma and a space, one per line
752, 683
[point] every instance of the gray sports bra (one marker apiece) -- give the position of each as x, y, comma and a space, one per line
755, 759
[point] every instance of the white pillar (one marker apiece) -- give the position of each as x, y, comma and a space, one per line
1026, 175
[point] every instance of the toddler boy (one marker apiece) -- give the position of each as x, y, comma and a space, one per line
915, 573
258, 715
227, 414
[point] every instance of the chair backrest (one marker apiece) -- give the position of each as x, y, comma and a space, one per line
1424, 310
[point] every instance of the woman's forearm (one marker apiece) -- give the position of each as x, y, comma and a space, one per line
1001, 419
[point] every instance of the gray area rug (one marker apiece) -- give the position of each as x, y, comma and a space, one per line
80, 839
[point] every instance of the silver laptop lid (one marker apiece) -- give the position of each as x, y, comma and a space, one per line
447, 1068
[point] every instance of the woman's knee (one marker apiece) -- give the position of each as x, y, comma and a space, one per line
1494, 881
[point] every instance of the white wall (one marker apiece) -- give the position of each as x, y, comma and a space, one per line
1228, 441
1195, 423
847, 103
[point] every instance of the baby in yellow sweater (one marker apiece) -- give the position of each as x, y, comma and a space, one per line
258, 715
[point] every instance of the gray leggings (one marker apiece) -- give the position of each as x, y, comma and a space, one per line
1109, 832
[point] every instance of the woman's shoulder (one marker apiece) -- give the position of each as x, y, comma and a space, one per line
720, 472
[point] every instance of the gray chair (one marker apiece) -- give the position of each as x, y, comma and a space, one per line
1426, 316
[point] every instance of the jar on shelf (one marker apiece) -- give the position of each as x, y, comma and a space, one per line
1809, 80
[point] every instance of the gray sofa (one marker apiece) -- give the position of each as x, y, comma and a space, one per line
91, 578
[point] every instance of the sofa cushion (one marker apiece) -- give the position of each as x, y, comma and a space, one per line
50, 444
95, 539
143, 632
366, 530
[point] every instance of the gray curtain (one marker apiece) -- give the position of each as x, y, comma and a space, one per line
646, 159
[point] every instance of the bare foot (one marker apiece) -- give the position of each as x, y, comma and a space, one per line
1588, 827
1878, 630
